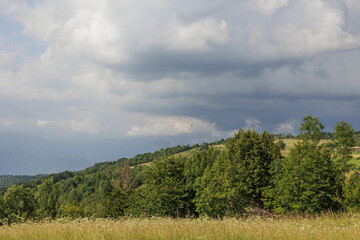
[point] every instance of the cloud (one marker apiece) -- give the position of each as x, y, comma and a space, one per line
172, 126
8, 122
301, 29
199, 35
288, 127
86, 125
267, 7
160, 68
252, 124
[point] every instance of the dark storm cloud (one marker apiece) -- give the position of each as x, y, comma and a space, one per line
173, 72
213, 65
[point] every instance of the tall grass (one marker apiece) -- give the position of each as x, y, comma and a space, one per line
329, 226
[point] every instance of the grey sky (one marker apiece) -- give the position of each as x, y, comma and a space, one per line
159, 68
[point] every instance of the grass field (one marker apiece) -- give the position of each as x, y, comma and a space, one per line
328, 226
288, 142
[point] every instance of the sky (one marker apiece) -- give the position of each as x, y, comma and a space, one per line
184, 71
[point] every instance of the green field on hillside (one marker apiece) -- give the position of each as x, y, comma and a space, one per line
322, 227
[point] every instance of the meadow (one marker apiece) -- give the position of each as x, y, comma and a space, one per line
327, 226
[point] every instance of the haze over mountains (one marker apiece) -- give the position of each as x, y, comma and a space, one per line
26, 154
22, 154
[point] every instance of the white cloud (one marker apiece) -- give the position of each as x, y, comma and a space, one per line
302, 29
200, 34
287, 127
86, 126
172, 126
109, 63
353, 4
8, 122
252, 124
6, 58
42, 123
267, 6
90, 35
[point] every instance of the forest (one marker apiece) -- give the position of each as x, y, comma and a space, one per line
243, 175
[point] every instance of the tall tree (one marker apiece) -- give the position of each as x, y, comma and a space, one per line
119, 192
46, 197
164, 192
310, 129
239, 177
352, 192
217, 194
251, 156
308, 179
344, 140
20, 202
195, 166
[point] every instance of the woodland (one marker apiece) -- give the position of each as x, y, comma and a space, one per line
247, 174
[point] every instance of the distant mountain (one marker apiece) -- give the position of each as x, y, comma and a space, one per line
8, 180
22, 154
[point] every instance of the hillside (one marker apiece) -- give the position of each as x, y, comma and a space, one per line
7, 180
91, 191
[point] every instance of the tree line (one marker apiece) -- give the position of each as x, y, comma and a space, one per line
249, 174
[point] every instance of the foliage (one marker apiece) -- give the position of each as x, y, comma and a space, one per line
308, 182
120, 190
20, 203
165, 189
281, 145
251, 156
352, 192
217, 194
71, 211
310, 129
344, 140
198, 163
217, 181
8, 180
237, 179
46, 197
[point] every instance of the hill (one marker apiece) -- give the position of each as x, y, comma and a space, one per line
81, 192
86, 192
8, 180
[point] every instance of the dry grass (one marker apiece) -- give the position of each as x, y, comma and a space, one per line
187, 153
324, 227
289, 144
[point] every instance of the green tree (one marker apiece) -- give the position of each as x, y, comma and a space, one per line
195, 167
118, 197
3, 211
70, 210
20, 203
251, 156
344, 140
310, 129
281, 145
164, 192
308, 180
196, 164
218, 193
238, 178
46, 197
352, 192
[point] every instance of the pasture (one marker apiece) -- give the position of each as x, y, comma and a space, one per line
327, 226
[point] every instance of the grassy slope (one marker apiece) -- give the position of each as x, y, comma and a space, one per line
322, 227
110, 166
